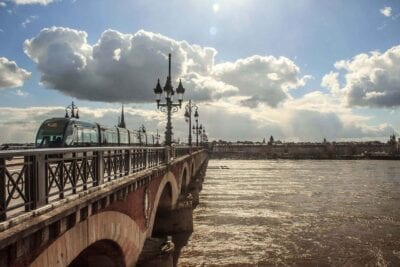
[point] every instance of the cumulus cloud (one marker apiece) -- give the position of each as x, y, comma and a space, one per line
32, 2
11, 75
369, 79
124, 68
3, 4
119, 67
386, 11
264, 79
331, 82
309, 118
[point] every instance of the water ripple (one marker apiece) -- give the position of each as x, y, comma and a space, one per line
297, 213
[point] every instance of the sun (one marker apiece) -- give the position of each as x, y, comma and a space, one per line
215, 7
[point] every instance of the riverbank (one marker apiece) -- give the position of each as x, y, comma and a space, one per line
250, 156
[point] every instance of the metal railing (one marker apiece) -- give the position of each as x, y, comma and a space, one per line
33, 178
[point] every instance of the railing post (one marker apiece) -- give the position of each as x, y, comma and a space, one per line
100, 167
40, 180
3, 215
146, 157
167, 154
84, 168
128, 164
30, 182
74, 172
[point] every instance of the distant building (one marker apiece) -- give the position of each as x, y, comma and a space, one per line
121, 122
271, 140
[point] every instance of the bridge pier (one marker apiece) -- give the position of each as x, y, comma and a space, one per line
176, 224
157, 252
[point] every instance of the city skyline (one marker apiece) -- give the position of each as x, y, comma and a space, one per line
298, 71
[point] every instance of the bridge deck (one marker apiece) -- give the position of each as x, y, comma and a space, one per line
32, 179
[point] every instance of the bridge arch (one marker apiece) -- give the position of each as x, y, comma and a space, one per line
164, 200
111, 228
184, 178
192, 169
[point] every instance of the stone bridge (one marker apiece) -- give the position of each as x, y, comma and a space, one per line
106, 206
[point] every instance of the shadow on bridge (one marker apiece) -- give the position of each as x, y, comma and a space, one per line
103, 253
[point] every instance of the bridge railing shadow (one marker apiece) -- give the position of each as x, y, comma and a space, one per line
33, 178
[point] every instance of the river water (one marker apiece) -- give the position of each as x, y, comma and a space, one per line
297, 213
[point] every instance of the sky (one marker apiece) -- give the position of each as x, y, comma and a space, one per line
298, 70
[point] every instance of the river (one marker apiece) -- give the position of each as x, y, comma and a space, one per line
297, 213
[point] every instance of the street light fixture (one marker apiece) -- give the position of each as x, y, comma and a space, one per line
203, 136
141, 130
169, 106
188, 115
197, 130
72, 108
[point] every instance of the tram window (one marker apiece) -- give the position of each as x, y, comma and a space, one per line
50, 134
123, 137
109, 137
104, 136
86, 136
93, 136
69, 136
114, 137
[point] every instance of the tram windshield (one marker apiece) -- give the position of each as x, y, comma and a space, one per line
51, 133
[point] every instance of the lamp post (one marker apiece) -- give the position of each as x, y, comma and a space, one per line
169, 106
203, 136
141, 130
72, 108
197, 130
188, 115
157, 138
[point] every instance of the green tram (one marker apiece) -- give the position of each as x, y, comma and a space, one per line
70, 132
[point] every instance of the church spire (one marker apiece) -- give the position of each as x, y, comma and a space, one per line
122, 122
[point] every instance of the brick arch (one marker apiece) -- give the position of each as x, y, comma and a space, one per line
168, 180
192, 169
108, 225
184, 177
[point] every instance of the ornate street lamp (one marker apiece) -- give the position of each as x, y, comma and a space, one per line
197, 130
158, 138
141, 130
203, 136
188, 115
74, 110
169, 106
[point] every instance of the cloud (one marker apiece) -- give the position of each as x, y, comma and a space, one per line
29, 20
3, 4
331, 82
263, 79
309, 118
33, 2
386, 11
124, 68
119, 67
314, 125
11, 75
369, 79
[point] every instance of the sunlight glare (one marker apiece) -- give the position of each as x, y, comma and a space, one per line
215, 8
